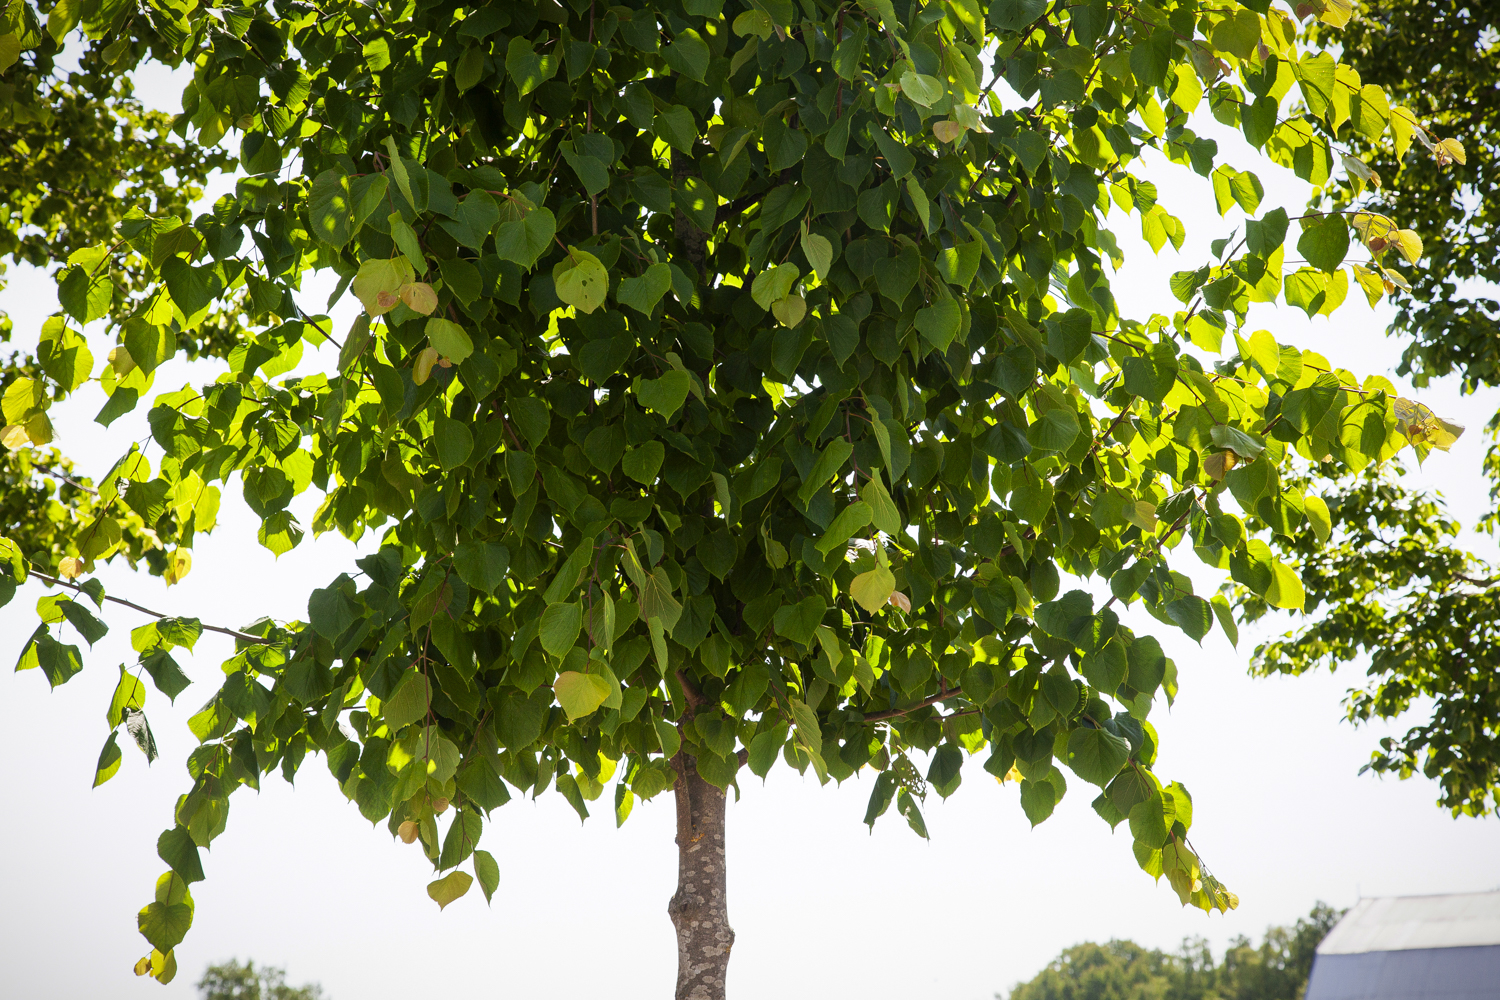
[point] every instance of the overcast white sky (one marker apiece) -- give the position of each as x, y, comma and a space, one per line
820, 906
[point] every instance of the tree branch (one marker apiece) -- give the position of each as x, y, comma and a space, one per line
924, 703
245, 636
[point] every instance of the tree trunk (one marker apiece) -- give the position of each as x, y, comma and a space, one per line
699, 908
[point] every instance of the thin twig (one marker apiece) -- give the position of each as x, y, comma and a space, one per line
54, 581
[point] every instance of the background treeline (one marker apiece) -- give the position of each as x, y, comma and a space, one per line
1276, 969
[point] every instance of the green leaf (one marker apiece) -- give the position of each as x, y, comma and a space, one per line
61, 20
529, 71
922, 89
177, 849
1265, 235
850, 520
581, 280
873, 588
1324, 242
1150, 820
798, 622
643, 462
409, 701
481, 565
1225, 616
560, 626
1317, 515
939, 322
454, 442
806, 719
165, 924
1095, 755
674, 125
330, 208
1229, 438
1192, 615
488, 873
449, 340
883, 512
664, 395
109, 761
774, 284
1286, 588
688, 54
643, 293
445, 890
830, 463
765, 748
463, 835
1054, 430
819, 253
1151, 375
91, 628
1038, 799
130, 693
580, 694
526, 239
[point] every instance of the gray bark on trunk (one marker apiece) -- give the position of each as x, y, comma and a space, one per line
700, 909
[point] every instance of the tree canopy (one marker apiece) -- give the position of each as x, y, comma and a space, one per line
1122, 970
735, 381
1398, 586
233, 980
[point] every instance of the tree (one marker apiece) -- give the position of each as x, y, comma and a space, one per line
233, 981
1441, 60
1123, 970
734, 383
1396, 585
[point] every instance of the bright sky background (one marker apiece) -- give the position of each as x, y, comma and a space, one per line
821, 907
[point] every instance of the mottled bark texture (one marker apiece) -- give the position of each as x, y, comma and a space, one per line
694, 241
700, 907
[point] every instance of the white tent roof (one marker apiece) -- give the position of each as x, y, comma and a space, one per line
1402, 923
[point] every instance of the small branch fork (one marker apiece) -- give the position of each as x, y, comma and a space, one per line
243, 636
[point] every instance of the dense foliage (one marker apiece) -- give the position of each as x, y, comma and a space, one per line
1397, 587
735, 382
232, 980
1123, 970
1444, 61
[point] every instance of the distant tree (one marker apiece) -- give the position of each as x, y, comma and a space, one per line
1123, 970
1282, 963
233, 981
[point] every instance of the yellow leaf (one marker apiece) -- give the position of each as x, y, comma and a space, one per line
121, 361
419, 297
179, 565
1409, 243
70, 568
790, 310
947, 131
1449, 150
580, 694
379, 280
1394, 280
446, 890
900, 601
14, 437
1218, 464
421, 368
